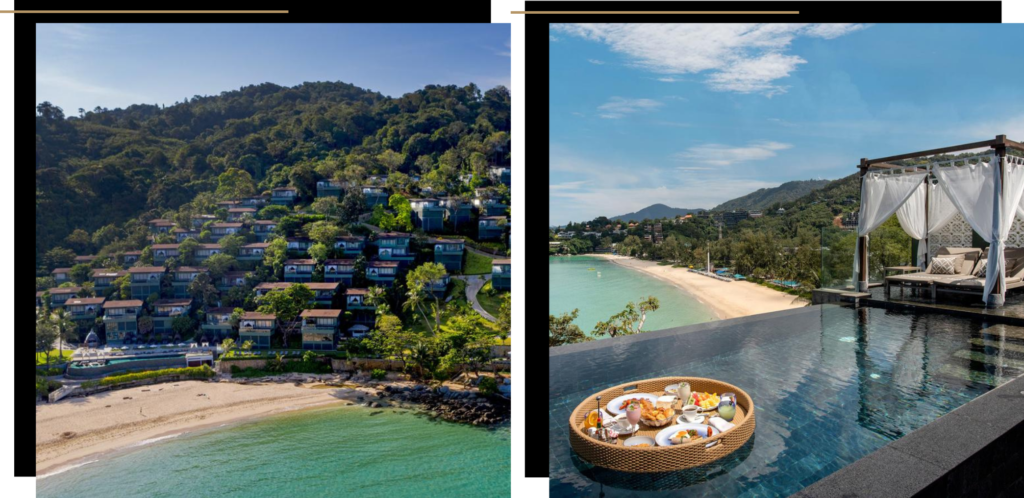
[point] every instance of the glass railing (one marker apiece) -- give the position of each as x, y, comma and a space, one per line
888, 246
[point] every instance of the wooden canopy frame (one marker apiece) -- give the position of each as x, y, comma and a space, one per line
998, 146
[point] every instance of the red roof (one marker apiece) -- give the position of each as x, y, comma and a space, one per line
226, 225
355, 292
300, 262
320, 313
147, 269
165, 246
64, 290
501, 262
252, 315
85, 300
173, 302
127, 303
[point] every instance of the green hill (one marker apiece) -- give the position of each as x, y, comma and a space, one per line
765, 197
654, 212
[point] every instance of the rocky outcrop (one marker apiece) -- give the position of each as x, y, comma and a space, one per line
467, 407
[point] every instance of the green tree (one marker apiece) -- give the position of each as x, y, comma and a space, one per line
231, 244
235, 184
417, 281
219, 264
183, 326
187, 250
202, 289
323, 232
227, 345
319, 252
352, 205
46, 335
58, 257
629, 321
275, 255
505, 317
327, 206
562, 331
67, 330
272, 212
403, 213
286, 304
80, 273
79, 241
391, 160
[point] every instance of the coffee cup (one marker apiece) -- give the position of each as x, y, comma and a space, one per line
690, 412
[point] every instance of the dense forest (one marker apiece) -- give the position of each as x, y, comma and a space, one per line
102, 174
764, 197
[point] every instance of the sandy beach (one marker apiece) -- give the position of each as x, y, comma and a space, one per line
726, 299
82, 428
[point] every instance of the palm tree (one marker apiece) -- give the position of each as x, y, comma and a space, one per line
377, 297
65, 326
414, 302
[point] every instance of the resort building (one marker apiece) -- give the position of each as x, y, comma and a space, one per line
184, 276
121, 320
257, 327
204, 251
264, 287
146, 280
84, 310
228, 204
438, 287
130, 257
382, 273
59, 295
329, 188
491, 227
252, 252
163, 252
298, 245
320, 329
61, 275
427, 214
351, 245
201, 219
502, 174
459, 212
263, 229
355, 303
165, 311
448, 252
339, 270
160, 225
374, 195
218, 324
491, 207
180, 234
501, 274
255, 201
230, 280
219, 230
102, 280
324, 292
86, 260
733, 217
237, 213
299, 270
283, 196
394, 246
377, 179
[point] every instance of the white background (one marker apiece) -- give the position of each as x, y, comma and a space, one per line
501, 13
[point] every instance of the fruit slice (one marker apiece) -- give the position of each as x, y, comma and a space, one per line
591, 421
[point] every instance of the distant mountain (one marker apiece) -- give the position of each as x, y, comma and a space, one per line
654, 212
763, 198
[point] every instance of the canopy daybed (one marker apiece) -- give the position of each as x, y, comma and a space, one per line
986, 189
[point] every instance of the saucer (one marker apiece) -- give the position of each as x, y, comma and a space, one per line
623, 427
698, 420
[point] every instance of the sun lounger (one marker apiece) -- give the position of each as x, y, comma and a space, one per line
925, 280
1014, 257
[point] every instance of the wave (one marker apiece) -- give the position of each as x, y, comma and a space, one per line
145, 442
65, 469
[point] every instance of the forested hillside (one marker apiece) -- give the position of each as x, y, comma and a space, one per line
652, 212
765, 197
106, 172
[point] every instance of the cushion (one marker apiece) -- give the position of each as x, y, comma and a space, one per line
945, 265
979, 271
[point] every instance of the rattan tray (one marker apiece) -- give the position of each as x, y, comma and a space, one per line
613, 455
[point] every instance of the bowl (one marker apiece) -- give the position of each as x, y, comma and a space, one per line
635, 440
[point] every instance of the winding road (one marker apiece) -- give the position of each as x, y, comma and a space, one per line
473, 285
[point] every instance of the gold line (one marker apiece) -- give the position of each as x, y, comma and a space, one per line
653, 12
143, 11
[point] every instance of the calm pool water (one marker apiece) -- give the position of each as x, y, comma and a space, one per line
337, 451
573, 285
830, 385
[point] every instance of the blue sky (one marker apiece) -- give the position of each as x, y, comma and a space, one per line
693, 115
116, 65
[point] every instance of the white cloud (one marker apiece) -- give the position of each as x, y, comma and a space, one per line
744, 58
669, 79
552, 38
726, 155
595, 61
618, 107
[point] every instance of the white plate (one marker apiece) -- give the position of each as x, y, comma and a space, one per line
633, 441
613, 405
664, 437
698, 420
622, 425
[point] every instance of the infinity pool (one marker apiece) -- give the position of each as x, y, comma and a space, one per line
830, 385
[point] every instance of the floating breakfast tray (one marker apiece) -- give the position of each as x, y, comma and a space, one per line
613, 455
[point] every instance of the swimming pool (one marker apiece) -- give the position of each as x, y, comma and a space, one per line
830, 385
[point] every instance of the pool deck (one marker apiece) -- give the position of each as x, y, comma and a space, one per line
1011, 313
974, 450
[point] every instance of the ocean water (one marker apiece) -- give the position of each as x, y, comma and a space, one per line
572, 285
332, 451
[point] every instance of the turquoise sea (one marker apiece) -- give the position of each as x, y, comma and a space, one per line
334, 451
572, 285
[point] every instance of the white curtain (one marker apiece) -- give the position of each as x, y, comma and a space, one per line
974, 188
880, 197
912, 219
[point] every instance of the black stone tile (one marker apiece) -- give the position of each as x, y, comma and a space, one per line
886, 472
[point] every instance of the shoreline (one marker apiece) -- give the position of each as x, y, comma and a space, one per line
725, 299
73, 431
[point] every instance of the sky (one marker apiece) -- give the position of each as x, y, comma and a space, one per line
116, 65
693, 115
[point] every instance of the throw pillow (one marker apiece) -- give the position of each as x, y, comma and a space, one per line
979, 271
942, 266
